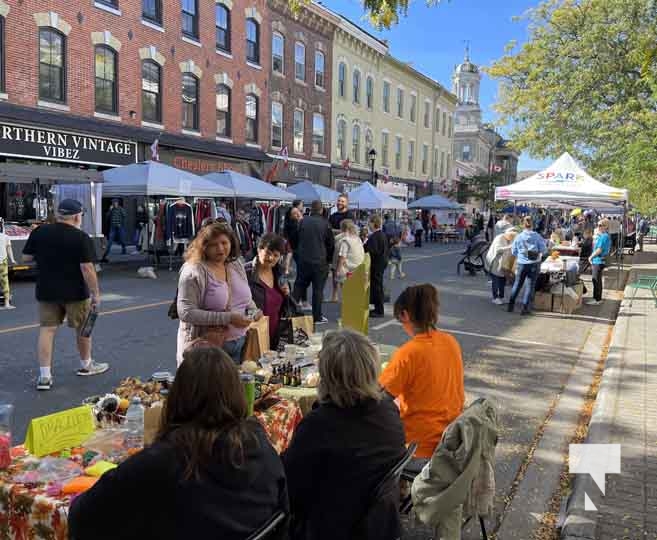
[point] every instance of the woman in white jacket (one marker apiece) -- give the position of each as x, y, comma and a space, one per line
496, 257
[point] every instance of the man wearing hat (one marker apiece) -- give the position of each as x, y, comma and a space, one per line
116, 216
66, 287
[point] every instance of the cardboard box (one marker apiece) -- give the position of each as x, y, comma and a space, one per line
543, 301
570, 305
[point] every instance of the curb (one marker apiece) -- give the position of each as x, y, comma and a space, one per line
580, 524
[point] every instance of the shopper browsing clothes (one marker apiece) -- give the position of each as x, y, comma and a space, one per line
528, 248
598, 260
66, 285
6, 258
214, 297
116, 217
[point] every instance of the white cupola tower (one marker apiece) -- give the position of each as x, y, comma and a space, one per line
465, 85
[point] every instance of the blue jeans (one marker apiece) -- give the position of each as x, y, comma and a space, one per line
525, 271
498, 285
116, 234
234, 349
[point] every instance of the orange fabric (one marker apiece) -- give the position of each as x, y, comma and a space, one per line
426, 376
79, 485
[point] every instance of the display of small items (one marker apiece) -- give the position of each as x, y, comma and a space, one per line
287, 375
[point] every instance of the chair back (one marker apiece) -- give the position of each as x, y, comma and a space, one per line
381, 516
271, 527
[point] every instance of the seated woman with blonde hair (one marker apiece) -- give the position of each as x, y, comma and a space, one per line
345, 446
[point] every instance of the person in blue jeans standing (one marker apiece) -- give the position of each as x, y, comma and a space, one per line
598, 259
528, 248
117, 217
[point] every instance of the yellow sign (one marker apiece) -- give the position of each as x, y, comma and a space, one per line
59, 431
356, 298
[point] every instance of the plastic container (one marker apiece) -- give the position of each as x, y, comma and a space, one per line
134, 423
6, 419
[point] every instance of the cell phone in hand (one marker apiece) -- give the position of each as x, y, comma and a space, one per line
89, 323
249, 313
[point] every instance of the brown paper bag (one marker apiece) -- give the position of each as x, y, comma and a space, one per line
304, 323
257, 340
152, 422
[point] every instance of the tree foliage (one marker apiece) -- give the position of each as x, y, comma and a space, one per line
586, 82
479, 187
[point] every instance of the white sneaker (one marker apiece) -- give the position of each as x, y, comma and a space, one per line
94, 368
305, 306
498, 301
594, 302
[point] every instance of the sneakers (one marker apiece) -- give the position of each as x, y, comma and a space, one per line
305, 306
376, 314
525, 311
44, 383
594, 302
323, 320
498, 301
94, 368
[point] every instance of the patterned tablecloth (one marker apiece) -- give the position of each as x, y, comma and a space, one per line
30, 513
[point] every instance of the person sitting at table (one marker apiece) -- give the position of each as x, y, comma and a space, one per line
213, 293
211, 472
269, 294
425, 374
344, 447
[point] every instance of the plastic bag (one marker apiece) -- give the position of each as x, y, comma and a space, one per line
49, 470
106, 441
147, 272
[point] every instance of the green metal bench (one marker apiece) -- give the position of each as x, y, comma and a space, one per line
645, 283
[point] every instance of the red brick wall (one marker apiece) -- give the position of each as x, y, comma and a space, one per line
291, 91
21, 53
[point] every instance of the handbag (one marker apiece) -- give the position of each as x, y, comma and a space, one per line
172, 312
216, 335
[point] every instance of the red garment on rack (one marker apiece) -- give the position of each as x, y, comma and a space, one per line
203, 210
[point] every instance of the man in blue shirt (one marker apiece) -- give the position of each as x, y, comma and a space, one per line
528, 248
598, 259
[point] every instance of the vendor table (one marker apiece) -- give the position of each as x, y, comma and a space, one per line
567, 250
558, 265
30, 513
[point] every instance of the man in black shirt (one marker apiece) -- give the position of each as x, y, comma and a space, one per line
377, 247
67, 285
316, 246
343, 212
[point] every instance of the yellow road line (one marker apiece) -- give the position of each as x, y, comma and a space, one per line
108, 312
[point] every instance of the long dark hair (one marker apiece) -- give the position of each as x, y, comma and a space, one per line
206, 402
421, 303
272, 242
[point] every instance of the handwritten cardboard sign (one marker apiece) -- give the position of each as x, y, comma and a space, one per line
59, 431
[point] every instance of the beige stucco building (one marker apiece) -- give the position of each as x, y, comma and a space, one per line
381, 103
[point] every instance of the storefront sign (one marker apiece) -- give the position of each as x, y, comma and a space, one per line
201, 165
57, 145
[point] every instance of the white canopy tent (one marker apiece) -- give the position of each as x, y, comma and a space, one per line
367, 197
153, 178
563, 182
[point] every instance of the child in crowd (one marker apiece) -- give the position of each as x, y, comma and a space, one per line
395, 258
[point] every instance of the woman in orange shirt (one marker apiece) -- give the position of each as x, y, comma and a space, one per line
425, 374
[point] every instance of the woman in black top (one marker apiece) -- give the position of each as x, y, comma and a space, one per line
211, 472
344, 446
377, 247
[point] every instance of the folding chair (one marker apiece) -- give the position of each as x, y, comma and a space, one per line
270, 527
645, 283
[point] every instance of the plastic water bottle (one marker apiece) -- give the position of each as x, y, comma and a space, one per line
134, 421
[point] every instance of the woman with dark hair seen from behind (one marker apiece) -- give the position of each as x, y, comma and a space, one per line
426, 373
344, 446
377, 247
213, 293
269, 292
211, 472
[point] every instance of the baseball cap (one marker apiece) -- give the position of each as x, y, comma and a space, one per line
69, 207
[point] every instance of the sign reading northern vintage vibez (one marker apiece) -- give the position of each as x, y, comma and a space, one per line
55, 145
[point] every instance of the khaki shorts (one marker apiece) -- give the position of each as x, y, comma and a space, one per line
53, 313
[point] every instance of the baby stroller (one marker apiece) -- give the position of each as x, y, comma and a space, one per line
473, 256
630, 243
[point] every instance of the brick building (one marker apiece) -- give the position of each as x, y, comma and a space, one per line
300, 92
192, 72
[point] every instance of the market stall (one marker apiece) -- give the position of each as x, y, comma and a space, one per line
309, 192
367, 197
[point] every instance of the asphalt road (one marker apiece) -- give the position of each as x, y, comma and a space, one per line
521, 362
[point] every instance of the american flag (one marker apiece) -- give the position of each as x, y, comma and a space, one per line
155, 154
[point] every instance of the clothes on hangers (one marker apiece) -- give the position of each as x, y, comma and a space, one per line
179, 222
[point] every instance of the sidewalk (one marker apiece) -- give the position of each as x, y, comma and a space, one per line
625, 413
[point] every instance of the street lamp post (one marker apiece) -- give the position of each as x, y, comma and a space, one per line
372, 156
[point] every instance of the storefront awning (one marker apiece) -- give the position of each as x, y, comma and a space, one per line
19, 173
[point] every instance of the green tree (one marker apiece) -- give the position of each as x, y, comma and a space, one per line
480, 187
586, 82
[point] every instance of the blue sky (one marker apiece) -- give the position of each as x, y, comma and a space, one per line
432, 38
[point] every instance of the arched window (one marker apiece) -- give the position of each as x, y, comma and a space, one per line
319, 69
222, 27
369, 92
356, 86
190, 101
277, 53
52, 65
151, 97
342, 135
251, 118
342, 79
299, 61
252, 41
105, 80
223, 110
355, 143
